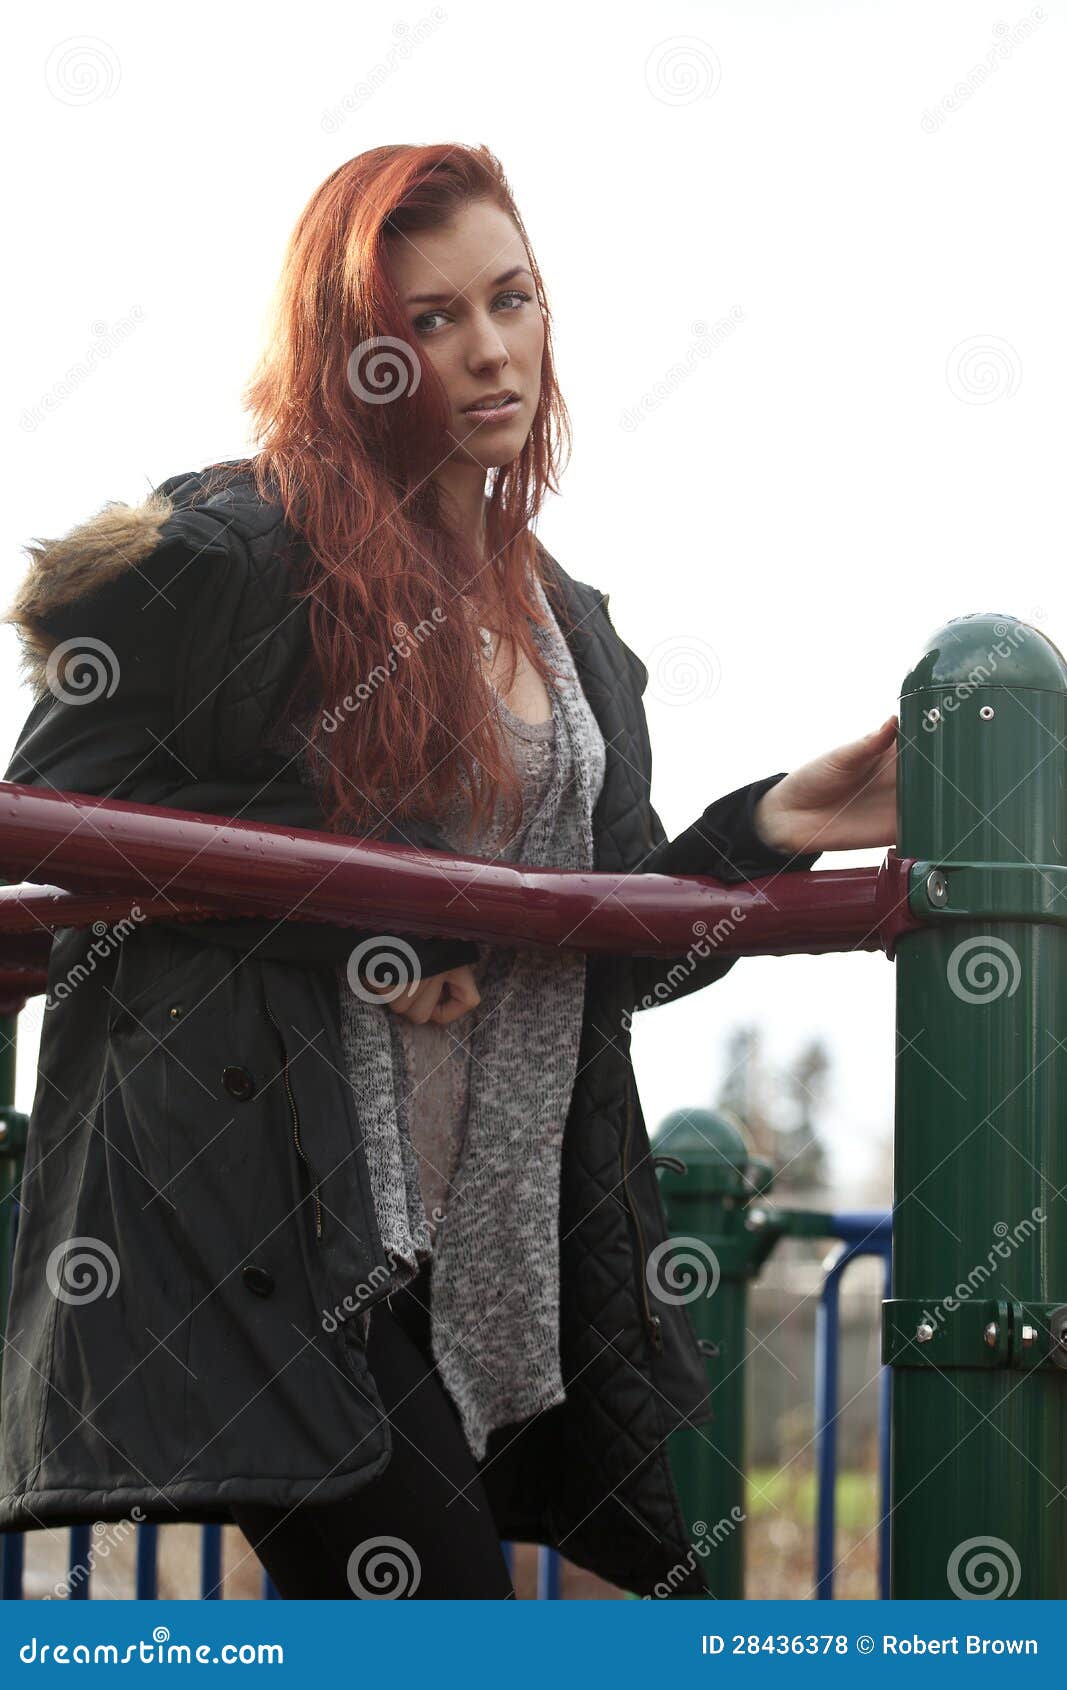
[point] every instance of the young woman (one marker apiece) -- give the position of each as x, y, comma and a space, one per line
338, 1234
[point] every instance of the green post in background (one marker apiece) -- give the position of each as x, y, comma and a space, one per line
976, 1329
707, 1180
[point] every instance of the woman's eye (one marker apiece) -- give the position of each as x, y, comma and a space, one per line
424, 324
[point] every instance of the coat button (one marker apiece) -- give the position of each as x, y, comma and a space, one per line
239, 1083
258, 1279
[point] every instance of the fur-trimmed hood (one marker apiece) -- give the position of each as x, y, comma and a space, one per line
79, 563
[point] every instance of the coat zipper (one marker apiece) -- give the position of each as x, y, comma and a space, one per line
296, 1120
653, 1323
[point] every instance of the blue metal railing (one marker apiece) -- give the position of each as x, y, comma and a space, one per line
862, 1233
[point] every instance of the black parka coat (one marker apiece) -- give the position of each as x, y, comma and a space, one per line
192, 1123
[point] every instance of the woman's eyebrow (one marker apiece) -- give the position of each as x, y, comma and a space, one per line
438, 298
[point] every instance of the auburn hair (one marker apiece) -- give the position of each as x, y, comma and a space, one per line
400, 705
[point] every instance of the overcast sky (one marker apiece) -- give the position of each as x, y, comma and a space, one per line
806, 268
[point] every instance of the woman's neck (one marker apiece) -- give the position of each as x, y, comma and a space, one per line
465, 506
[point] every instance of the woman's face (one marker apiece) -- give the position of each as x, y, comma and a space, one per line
473, 314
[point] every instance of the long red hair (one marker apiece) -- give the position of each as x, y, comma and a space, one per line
384, 569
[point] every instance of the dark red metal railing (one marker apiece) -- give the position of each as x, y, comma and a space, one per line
100, 855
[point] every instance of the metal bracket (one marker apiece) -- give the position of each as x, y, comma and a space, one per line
956, 891
945, 1332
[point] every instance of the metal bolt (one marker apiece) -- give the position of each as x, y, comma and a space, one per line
986, 712
1028, 1335
923, 1332
933, 715
756, 1220
937, 888
991, 1334
175, 1011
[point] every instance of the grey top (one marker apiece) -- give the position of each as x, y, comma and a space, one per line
437, 1058
494, 1290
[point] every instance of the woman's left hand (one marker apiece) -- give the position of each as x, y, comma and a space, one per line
843, 800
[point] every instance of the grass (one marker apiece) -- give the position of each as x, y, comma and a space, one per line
793, 1493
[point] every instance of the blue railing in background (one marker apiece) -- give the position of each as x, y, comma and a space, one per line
862, 1233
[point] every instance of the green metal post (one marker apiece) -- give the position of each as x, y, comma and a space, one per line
976, 1329
706, 1195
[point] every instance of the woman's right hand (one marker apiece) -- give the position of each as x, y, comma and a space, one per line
440, 997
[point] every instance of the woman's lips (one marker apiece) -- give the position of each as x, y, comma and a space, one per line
496, 413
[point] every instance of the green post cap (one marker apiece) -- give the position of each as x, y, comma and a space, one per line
702, 1135
988, 650
711, 1144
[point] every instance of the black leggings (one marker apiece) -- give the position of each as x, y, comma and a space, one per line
431, 1549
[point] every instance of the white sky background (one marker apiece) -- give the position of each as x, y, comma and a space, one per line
826, 485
